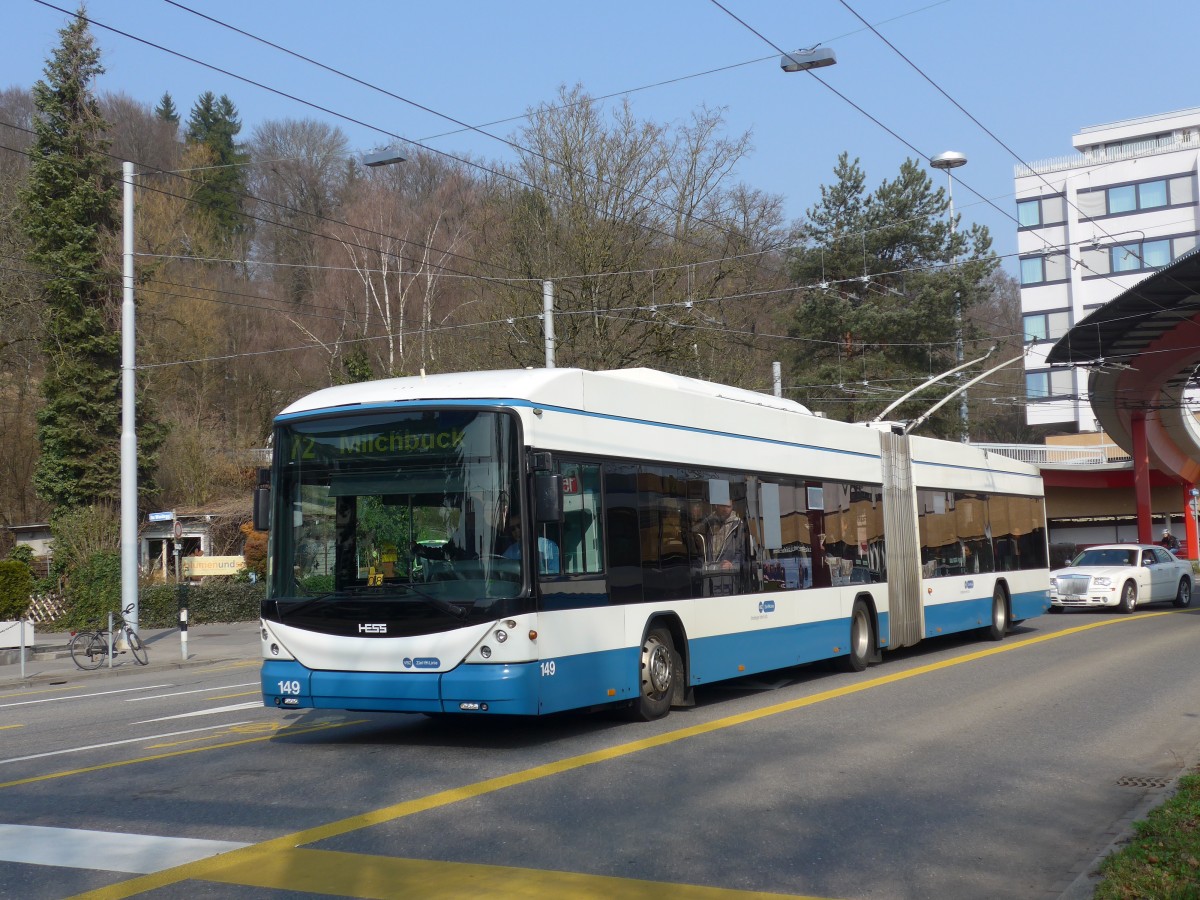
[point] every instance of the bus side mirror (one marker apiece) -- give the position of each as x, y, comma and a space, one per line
262, 500
547, 497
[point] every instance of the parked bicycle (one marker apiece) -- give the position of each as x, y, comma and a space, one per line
89, 649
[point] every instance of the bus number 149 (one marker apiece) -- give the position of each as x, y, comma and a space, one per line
548, 668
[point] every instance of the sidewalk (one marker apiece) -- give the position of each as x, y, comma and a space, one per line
49, 661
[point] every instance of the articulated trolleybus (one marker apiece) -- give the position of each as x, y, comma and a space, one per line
531, 541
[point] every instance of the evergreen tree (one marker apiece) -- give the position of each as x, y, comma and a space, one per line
69, 211
166, 110
214, 125
882, 276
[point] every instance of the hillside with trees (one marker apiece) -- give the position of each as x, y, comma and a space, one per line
270, 262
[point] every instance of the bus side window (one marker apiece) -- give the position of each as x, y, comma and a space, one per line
581, 545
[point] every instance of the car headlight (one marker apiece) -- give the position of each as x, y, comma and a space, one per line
1054, 584
1102, 581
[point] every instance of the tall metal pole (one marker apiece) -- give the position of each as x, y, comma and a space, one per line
129, 533
548, 320
947, 162
777, 378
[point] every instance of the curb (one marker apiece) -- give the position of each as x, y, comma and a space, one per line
1084, 886
119, 669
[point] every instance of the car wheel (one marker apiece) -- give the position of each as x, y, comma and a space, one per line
1056, 609
1128, 598
1183, 596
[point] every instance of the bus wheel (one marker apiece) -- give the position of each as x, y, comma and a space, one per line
862, 639
999, 626
657, 671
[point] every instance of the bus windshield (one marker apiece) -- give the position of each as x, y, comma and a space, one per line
405, 513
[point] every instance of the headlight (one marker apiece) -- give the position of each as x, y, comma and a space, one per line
1054, 584
1102, 581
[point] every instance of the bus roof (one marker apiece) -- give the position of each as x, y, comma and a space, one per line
550, 386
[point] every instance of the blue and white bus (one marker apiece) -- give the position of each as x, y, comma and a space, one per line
525, 542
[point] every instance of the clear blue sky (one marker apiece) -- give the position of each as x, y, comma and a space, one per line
1033, 71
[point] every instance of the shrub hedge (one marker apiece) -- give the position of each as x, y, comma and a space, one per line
213, 601
94, 590
16, 584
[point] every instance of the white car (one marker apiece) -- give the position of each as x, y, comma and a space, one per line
1121, 575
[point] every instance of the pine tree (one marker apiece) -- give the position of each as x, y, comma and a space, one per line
69, 211
69, 207
882, 275
214, 125
166, 110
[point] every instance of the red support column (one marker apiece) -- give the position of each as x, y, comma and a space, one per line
1141, 478
1189, 522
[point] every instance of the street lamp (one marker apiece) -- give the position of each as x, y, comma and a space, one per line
383, 157
803, 60
947, 162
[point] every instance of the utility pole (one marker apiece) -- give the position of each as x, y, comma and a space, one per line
548, 320
129, 489
946, 162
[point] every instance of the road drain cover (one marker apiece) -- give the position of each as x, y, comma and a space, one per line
1143, 781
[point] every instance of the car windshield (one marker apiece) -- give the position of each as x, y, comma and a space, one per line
406, 510
1107, 556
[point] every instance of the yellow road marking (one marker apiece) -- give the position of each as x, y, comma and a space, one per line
129, 762
261, 854
257, 693
256, 728
386, 877
2, 727
52, 690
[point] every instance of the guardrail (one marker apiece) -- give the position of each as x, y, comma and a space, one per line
1055, 455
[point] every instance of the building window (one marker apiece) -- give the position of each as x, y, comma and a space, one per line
1122, 199
1140, 255
1043, 269
1152, 194
1126, 257
1041, 212
1049, 384
1135, 256
1046, 326
1029, 213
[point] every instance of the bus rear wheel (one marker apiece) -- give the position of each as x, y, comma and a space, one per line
657, 671
999, 624
862, 639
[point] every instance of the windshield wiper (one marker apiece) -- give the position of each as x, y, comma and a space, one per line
438, 603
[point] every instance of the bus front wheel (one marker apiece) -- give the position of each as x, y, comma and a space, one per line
657, 670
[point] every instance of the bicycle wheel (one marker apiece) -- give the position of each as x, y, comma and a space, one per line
137, 648
88, 649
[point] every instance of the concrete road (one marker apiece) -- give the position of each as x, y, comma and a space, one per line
957, 769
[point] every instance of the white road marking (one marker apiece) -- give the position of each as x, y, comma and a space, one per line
197, 691
253, 704
149, 687
108, 851
149, 737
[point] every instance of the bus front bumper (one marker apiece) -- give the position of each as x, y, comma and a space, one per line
506, 689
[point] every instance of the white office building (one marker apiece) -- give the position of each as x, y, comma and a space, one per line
1092, 225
